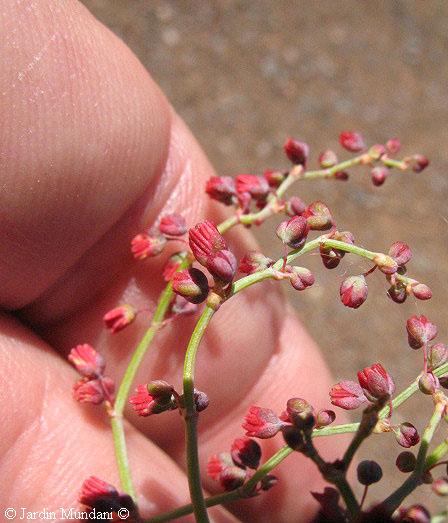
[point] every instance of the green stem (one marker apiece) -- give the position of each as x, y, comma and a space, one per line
126, 383
191, 418
437, 454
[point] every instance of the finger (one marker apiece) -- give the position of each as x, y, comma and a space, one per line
50, 444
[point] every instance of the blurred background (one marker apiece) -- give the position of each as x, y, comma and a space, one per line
245, 75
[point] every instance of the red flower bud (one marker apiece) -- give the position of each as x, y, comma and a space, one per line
205, 241
379, 175
94, 391
301, 278
87, 361
330, 257
191, 284
217, 463
172, 265
261, 423
223, 266
421, 291
144, 245
119, 318
347, 394
254, 262
369, 472
293, 232
414, 514
246, 452
221, 188
256, 186
232, 478
376, 151
428, 383
153, 398
397, 293
351, 141
94, 489
173, 225
376, 382
385, 263
342, 176
420, 331
419, 163
301, 413
440, 486
325, 418
274, 178
393, 145
407, 435
295, 206
353, 291
318, 216
400, 252
296, 151
437, 356
327, 159
201, 401
406, 461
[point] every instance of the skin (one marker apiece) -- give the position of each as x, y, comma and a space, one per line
92, 153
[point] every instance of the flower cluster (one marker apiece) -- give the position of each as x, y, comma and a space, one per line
93, 387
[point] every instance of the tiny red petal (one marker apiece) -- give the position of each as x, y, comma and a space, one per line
87, 361
261, 423
173, 225
221, 188
347, 395
93, 489
119, 318
353, 142
144, 245
296, 151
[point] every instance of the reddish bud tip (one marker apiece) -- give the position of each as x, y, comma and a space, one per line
87, 361
347, 395
295, 206
94, 391
293, 232
256, 186
217, 463
221, 188
393, 145
246, 452
379, 175
369, 472
440, 486
407, 435
301, 278
144, 245
94, 489
400, 252
351, 141
421, 291
327, 159
376, 382
274, 178
353, 291
428, 383
261, 423
437, 356
318, 216
325, 418
173, 225
419, 163
296, 151
119, 318
254, 262
420, 331
153, 398
191, 284
406, 461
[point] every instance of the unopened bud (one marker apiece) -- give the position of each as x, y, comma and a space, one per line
296, 151
353, 291
406, 461
293, 232
440, 486
327, 159
385, 263
369, 472
191, 284
428, 383
351, 141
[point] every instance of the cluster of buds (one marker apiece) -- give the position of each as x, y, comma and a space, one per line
101, 497
152, 243
159, 396
93, 387
375, 386
232, 469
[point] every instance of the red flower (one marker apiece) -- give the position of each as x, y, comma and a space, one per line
144, 245
293, 232
421, 291
400, 252
353, 291
217, 463
253, 262
94, 391
318, 216
93, 489
379, 174
256, 186
274, 178
301, 278
295, 206
223, 265
353, 142
119, 318
173, 225
347, 394
246, 452
296, 151
420, 331
221, 188
153, 398
327, 159
420, 162
261, 423
407, 435
191, 284
376, 382
206, 241
393, 145
87, 361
